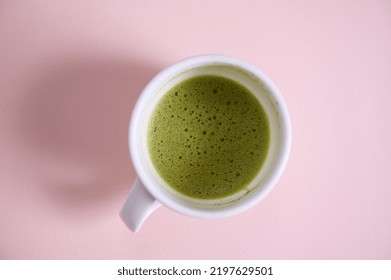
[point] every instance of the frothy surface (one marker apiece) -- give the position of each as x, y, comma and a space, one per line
208, 137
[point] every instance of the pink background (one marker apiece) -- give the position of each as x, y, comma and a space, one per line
71, 71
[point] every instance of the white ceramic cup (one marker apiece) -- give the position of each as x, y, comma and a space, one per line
150, 191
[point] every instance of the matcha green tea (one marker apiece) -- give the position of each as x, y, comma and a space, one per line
208, 137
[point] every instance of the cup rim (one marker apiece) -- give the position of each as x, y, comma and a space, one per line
159, 194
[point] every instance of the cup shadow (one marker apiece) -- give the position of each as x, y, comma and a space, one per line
76, 117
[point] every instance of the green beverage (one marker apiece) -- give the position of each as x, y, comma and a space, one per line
208, 137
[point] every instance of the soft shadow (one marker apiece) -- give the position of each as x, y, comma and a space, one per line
75, 120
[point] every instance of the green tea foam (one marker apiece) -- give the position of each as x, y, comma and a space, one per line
208, 137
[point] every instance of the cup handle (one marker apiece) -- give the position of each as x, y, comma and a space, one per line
138, 206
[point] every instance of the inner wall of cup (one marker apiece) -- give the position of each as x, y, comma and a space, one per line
263, 94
